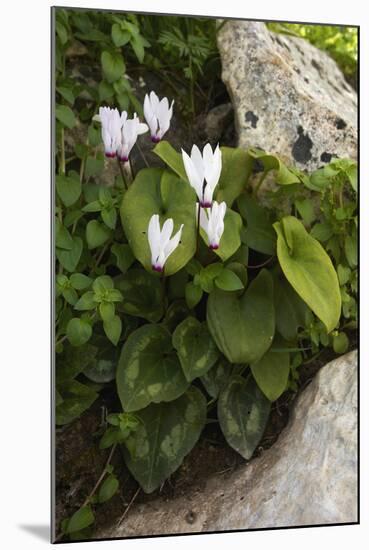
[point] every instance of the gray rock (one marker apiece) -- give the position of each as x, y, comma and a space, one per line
308, 477
289, 97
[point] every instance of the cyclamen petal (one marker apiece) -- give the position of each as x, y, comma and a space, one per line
203, 172
131, 129
158, 115
212, 222
160, 241
110, 130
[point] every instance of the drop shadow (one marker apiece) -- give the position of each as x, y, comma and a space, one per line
40, 531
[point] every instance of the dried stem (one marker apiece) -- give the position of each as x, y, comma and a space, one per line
129, 506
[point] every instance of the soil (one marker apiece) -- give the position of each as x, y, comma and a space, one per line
79, 462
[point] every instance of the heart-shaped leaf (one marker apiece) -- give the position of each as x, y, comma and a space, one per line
69, 258
243, 412
166, 434
112, 65
149, 370
196, 349
243, 326
284, 176
309, 269
69, 188
142, 294
217, 377
96, 234
155, 191
271, 373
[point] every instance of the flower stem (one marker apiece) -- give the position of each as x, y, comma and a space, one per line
260, 182
62, 152
122, 174
198, 230
163, 285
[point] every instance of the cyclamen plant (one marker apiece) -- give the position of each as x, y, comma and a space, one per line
200, 291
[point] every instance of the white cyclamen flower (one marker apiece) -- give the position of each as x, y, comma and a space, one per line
111, 125
157, 114
212, 222
131, 129
203, 171
160, 241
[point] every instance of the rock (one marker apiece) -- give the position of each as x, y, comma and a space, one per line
216, 125
308, 477
289, 97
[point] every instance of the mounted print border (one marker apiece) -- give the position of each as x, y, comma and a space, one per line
205, 245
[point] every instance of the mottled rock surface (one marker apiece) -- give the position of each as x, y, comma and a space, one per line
289, 97
309, 477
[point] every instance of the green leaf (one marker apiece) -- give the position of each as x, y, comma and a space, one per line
79, 281
305, 208
243, 412
271, 373
69, 189
166, 434
193, 294
259, 233
65, 115
109, 216
107, 311
149, 370
290, 309
340, 342
119, 36
137, 44
142, 294
69, 258
351, 249
228, 280
169, 155
66, 93
93, 166
112, 65
344, 274
217, 377
86, 302
81, 519
102, 283
106, 90
322, 231
79, 331
156, 192
175, 314
113, 329
236, 169
309, 270
96, 234
63, 238
70, 295
94, 206
77, 398
94, 136
284, 176
243, 326
123, 255
108, 488
195, 347
104, 364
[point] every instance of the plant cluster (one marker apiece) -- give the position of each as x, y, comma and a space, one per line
178, 323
